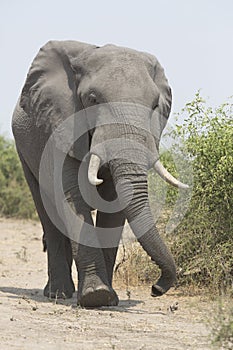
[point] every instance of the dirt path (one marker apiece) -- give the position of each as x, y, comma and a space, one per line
30, 321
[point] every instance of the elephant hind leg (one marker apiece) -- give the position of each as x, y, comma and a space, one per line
59, 253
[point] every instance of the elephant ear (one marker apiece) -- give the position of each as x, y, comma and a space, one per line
161, 113
49, 95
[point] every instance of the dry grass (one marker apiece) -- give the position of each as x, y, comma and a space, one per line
134, 267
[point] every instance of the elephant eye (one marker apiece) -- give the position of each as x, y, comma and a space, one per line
92, 98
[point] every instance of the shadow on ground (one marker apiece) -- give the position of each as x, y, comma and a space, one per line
37, 296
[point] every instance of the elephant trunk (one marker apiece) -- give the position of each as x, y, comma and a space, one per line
126, 153
131, 184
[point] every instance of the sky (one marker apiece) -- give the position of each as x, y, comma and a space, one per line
193, 41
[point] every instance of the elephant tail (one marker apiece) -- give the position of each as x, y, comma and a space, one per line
44, 243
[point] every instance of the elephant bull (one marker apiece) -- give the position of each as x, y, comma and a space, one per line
131, 100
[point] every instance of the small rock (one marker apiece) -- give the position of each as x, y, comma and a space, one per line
173, 307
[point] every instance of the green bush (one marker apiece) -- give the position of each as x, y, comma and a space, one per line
203, 242
15, 197
159, 191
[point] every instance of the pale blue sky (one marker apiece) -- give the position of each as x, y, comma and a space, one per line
193, 39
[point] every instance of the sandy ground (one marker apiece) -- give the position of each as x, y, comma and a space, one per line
30, 321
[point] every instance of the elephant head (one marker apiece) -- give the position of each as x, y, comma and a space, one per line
131, 89
116, 75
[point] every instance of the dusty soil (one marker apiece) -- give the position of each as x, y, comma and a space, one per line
30, 321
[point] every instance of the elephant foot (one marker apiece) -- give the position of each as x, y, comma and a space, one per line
157, 291
59, 290
162, 286
96, 295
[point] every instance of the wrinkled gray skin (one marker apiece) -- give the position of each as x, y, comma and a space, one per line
62, 79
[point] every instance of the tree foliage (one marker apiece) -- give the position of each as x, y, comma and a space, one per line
15, 197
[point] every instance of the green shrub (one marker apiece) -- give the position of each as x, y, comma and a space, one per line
15, 197
203, 242
159, 191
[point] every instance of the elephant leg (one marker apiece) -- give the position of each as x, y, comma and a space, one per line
115, 221
93, 286
60, 284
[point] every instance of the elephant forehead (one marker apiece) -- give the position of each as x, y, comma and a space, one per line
123, 78
120, 74
118, 59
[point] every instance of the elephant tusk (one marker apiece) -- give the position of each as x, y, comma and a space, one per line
93, 170
165, 175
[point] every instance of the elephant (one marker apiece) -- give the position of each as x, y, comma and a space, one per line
129, 98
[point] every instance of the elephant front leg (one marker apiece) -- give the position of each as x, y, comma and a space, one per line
94, 289
110, 226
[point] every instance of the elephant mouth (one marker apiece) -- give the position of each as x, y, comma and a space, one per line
94, 166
